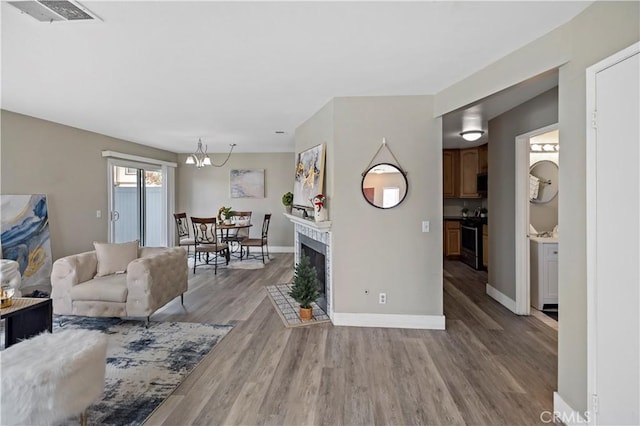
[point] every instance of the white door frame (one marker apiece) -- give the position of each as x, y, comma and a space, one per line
168, 171
523, 284
591, 172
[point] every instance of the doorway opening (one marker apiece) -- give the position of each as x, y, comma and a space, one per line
537, 231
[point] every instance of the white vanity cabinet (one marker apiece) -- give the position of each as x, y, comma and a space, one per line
544, 272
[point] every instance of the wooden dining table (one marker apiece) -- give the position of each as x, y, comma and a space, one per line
224, 235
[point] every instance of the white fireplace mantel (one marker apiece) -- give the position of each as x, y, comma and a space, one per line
317, 226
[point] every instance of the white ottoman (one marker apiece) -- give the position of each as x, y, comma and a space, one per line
10, 275
51, 377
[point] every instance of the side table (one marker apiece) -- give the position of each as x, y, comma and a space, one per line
26, 317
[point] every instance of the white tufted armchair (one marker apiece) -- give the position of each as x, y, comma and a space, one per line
153, 279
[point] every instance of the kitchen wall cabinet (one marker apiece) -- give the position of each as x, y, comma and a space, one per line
460, 168
469, 169
485, 246
452, 238
450, 162
483, 158
544, 272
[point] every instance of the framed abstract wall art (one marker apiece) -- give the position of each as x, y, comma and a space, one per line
247, 183
309, 175
24, 236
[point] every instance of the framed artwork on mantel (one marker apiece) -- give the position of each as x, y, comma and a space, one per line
309, 177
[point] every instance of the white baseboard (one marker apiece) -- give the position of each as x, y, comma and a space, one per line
427, 322
501, 298
280, 249
567, 415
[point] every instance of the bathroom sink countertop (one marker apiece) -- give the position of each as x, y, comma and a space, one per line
544, 239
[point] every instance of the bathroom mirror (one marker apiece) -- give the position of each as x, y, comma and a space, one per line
384, 186
543, 181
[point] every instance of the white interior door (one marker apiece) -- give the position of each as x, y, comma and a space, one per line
613, 240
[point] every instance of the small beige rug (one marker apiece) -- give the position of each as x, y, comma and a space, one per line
289, 310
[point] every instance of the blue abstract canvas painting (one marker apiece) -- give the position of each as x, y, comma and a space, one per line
24, 236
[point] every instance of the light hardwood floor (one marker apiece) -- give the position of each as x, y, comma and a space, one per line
489, 367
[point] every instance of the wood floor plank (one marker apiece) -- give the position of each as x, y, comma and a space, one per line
490, 367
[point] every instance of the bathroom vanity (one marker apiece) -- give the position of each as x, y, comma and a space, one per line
544, 272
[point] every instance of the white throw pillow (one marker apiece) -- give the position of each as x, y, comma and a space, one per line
114, 258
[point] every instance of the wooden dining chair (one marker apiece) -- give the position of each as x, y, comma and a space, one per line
236, 236
259, 242
184, 235
205, 235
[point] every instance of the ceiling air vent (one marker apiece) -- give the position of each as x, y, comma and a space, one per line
49, 11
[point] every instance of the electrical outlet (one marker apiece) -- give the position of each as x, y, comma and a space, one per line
382, 298
98, 214
425, 226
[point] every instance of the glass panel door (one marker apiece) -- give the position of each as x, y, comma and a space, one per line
137, 205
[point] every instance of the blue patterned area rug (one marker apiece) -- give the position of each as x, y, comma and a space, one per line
144, 365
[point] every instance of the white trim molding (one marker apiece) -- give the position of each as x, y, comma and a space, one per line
281, 249
147, 160
501, 298
425, 322
567, 415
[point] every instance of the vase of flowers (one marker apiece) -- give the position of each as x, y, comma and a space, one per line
319, 208
225, 214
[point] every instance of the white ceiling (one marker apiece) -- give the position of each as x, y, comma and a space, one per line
167, 73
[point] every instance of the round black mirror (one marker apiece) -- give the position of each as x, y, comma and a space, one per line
384, 186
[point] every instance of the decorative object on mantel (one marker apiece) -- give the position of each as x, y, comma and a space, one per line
319, 209
309, 175
287, 201
287, 308
200, 158
305, 287
225, 214
384, 185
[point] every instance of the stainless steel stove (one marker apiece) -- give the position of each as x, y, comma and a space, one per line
471, 231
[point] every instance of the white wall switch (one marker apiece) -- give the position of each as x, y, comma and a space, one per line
98, 214
425, 226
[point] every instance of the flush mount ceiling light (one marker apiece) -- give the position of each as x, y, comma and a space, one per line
472, 135
200, 158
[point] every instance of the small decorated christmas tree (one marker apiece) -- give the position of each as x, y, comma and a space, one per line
305, 286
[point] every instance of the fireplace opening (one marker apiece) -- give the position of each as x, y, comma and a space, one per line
316, 251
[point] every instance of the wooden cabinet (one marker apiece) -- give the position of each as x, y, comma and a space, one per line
469, 169
483, 161
460, 168
485, 246
450, 186
452, 236
544, 273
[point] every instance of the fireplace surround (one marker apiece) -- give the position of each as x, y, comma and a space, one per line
315, 239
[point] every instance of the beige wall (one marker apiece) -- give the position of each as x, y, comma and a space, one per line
374, 249
539, 112
66, 164
601, 30
201, 192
